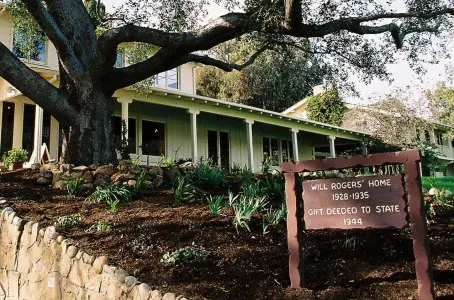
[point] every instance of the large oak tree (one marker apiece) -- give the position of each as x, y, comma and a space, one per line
337, 31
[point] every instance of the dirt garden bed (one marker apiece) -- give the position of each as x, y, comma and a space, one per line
240, 265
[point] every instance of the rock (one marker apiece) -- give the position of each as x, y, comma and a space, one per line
66, 167
155, 295
120, 274
46, 173
106, 170
99, 263
125, 162
127, 177
88, 177
93, 167
49, 166
157, 182
170, 174
132, 182
134, 169
44, 181
35, 166
446, 194
433, 191
80, 169
155, 171
61, 184
101, 180
169, 296
72, 251
117, 177
131, 281
56, 177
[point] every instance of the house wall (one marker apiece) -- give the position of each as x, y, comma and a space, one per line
179, 140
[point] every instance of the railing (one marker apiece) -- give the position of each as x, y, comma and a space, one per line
446, 151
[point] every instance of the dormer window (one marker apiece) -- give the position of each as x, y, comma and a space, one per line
168, 79
120, 62
29, 47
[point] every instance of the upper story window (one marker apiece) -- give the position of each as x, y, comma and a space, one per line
168, 79
29, 47
120, 62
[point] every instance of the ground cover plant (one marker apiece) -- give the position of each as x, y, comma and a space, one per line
366, 264
444, 183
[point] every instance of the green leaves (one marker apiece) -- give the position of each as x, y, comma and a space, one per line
326, 107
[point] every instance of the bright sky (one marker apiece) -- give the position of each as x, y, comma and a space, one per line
405, 79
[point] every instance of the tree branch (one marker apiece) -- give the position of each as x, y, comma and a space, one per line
56, 36
226, 66
34, 86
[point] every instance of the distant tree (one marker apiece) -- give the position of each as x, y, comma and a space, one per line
278, 78
326, 107
441, 104
391, 121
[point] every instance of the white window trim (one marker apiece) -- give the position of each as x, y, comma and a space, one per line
218, 145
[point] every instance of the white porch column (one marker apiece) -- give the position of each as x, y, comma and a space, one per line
18, 127
193, 115
250, 145
38, 138
332, 146
296, 155
54, 138
125, 113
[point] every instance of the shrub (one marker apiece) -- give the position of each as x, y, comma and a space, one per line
244, 208
184, 254
274, 217
266, 164
252, 190
101, 226
111, 193
274, 188
208, 176
68, 221
165, 161
14, 155
216, 204
184, 191
75, 186
140, 187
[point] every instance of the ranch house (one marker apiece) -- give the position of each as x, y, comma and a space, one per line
167, 120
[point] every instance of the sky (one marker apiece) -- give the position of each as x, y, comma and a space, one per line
405, 80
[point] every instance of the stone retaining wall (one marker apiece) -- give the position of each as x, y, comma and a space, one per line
38, 263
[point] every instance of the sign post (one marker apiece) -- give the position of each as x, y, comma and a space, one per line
358, 202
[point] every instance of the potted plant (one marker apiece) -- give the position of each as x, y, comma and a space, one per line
15, 159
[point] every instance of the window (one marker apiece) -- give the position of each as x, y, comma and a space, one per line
116, 128
418, 135
120, 62
29, 47
153, 138
439, 138
167, 79
219, 148
427, 135
279, 150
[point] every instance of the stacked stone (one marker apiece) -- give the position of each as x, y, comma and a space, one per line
39, 263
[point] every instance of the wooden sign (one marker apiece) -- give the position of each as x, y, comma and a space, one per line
358, 202
336, 203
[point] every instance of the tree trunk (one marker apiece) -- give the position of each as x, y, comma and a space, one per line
90, 140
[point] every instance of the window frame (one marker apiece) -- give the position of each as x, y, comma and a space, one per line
290, 155
141, 136
178, 80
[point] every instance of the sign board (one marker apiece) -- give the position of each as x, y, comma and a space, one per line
355, 202
358, 202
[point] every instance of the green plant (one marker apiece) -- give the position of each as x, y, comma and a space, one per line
142, 244
140, 187
68, 221
101, 226
326, 107
244, 208
274, 188
252, 190
165, 161
216, 204
274, 217
266, 164
111, 193
184, 254
208, 176
14, 155
136, 160
75, 186
350, 242
184, 191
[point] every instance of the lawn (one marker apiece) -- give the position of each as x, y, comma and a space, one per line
362, 264
445, 183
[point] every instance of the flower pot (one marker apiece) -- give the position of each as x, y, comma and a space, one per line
16, 166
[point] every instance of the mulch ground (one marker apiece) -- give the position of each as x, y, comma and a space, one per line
368, 264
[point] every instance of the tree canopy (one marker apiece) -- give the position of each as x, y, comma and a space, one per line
276, 80
442, 104
338, 31
326, 107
